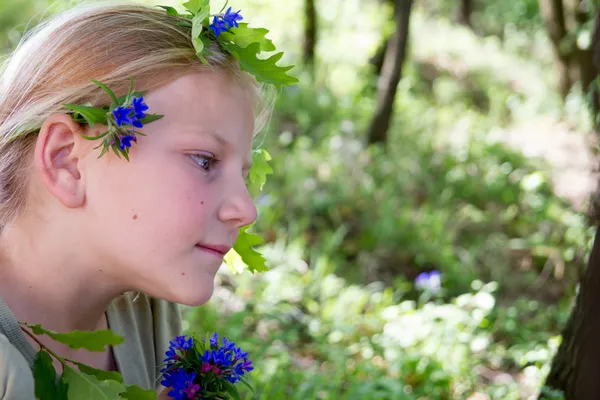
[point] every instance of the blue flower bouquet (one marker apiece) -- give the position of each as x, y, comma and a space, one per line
204, 369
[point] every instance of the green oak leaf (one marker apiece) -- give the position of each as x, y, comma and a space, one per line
134, 392
92, 115
244, 36
197, 25
44, 375
244, 248
264, 70
100, 374
89, 340
83, 386
62, 391
195, 6
260, 167
198, 46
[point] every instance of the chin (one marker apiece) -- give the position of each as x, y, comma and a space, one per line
192, 294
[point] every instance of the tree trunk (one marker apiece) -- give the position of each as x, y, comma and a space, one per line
465, 10
576, 366
583, 63
390, 73
377, 60
553, 14
584, 58
310, 31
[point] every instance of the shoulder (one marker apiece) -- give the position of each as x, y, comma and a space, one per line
16, 379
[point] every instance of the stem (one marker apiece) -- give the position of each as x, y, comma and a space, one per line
43, 347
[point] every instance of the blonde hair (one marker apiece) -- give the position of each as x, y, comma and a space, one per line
56, 62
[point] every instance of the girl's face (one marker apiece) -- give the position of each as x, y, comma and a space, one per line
165, 219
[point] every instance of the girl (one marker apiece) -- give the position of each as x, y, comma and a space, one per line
79, 231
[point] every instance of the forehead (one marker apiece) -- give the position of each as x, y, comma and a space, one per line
209, 100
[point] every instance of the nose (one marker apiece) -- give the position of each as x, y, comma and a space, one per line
238, 208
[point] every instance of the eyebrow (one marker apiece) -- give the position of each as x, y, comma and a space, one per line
226, 144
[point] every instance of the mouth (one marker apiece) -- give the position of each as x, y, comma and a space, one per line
214, 249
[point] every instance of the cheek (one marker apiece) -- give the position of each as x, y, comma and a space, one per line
160, 202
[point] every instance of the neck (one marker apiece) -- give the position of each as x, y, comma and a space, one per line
61, 291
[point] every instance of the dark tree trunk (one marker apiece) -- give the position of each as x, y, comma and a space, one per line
583, 58
310, 31
391, 73
576, 366
553, 14
465, 10
575, 369
379, 57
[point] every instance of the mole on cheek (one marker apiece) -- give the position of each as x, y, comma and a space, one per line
201, 202
134, 216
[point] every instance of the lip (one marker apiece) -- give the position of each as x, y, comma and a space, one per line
215, 248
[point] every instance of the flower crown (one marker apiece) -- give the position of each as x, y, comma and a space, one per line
128, 112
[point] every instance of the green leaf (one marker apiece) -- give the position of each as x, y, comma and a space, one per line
185, 24
92, 115
96, 137
151, 118
62, 391
134, 392
83, 386
260, 167
123, 99
232, 390
100, 374
207, 341
195, 6
243, 36
245, 382
199, 344
244, 247
264, 70
170, 10
198, 46
89, 340
44, 376
107, 90
198, 22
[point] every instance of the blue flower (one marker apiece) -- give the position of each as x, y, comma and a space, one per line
218, 26
139, 107
430, 281
239, 354
180, 381
207, 357
221, 358
126, 142
121, 115
214, 340
232, 18
180, 342
227, 345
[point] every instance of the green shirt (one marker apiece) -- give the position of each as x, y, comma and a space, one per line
147, 324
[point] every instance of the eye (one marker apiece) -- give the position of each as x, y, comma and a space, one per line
204, 161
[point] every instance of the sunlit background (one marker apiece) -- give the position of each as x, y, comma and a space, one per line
440, 262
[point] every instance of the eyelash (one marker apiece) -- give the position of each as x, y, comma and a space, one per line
212, 161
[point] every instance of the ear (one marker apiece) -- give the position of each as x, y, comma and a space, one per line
57, 162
